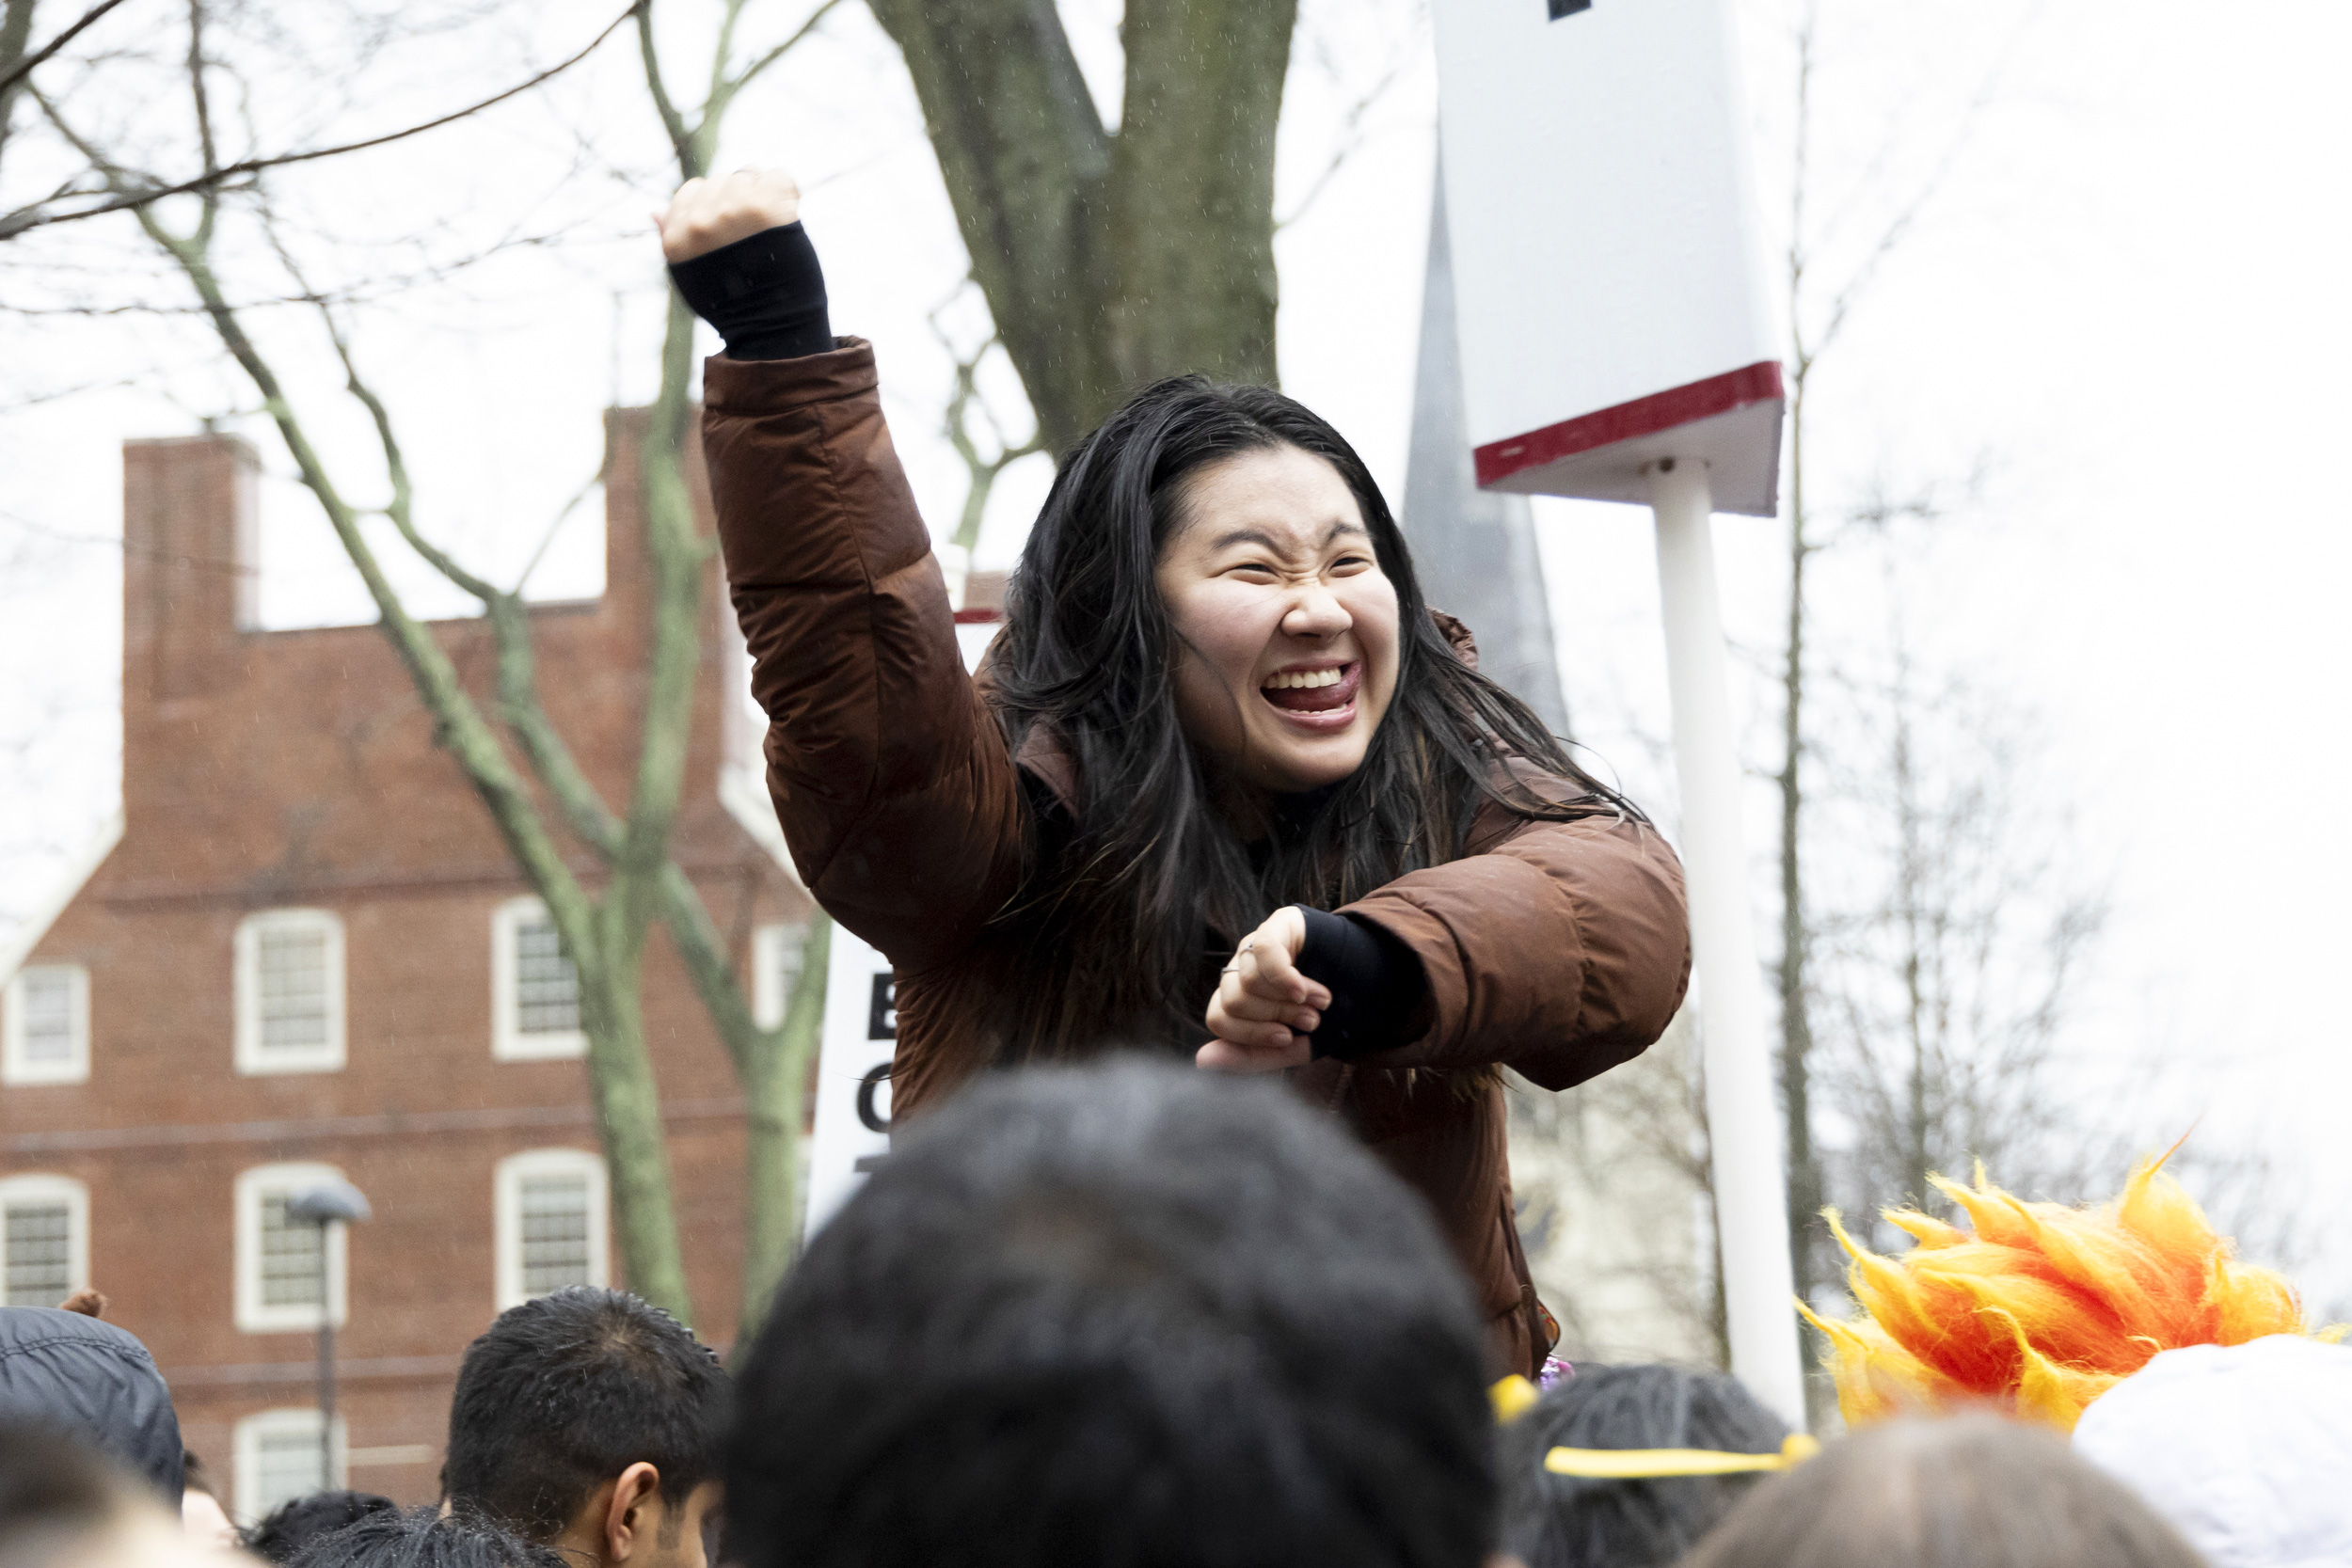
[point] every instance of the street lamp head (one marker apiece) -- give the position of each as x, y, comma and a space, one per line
328, 1200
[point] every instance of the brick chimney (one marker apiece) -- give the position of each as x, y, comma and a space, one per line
190, 566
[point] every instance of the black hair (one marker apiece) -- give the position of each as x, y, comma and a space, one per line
56, 1492
566, 1391
424, 1538
1129, 1315
1119, 894
1974, 1491
294, 1524
1570, 1522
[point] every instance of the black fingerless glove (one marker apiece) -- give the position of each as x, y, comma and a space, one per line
766, 294
1377, 983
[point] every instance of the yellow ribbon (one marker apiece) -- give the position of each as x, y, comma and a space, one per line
1656, 1464
1512, 1396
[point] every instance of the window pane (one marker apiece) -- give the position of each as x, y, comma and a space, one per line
554, 1215
788, 956
40, 1258
289, 1257
294, 1001
48, 1001
547, 990
290, 1462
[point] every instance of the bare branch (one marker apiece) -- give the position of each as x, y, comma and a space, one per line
33, 61
981, 472
138, 194
743, 78
673, 123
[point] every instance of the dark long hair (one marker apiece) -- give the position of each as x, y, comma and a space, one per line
1129, 892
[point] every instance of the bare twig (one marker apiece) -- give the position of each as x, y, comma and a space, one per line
123, 198
34, 60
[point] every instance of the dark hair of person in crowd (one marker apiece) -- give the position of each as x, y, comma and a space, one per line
1972, 1491
1089, 649
581, 1400
424, 1538
64, 1503
55, 1493
296, 1523
1125, 1314
1551, 1521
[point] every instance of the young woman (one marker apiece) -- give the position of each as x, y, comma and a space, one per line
1225, 785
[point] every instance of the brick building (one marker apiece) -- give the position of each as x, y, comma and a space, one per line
303, 952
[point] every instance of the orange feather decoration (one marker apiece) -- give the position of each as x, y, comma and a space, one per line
2039, 1308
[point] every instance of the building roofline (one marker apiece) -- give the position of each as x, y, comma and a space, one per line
20, 943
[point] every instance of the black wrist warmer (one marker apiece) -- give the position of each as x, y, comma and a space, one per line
1377, 983
766, 294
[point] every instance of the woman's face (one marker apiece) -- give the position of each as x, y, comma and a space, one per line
1286, 626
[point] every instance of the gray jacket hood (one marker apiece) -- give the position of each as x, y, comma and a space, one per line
91, 1378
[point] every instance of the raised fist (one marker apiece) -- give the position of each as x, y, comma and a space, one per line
707, 213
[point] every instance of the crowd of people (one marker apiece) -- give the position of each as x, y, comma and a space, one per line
1221, 898
1132, 1313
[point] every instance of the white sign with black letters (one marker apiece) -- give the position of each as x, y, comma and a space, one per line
852, 1091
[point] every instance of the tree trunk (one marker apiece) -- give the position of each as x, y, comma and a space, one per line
1806, 1195
16, 37
628, 1120
1110, 260
774, 1095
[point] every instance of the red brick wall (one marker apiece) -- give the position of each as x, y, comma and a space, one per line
272, 768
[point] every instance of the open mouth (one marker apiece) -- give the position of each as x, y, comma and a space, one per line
1320, 698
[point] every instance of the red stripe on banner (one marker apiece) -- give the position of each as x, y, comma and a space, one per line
1679, 406
986, 615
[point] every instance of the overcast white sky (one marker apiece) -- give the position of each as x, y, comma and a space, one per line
2126, 306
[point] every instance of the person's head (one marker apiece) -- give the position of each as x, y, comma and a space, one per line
1553, 1521
592, 1419
64, 1504
1217, 621
206, 1521
294, 1524
425, 1538
1971, 1491
1127, 1314
82, 1375
2246, 1447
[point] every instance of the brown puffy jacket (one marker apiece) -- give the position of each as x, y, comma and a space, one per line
1557, 948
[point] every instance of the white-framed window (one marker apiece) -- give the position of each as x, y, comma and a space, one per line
278, 1259
44, 1224
289, 991
44, 1037
775, 970
535, 991
278, 1458
550, 1223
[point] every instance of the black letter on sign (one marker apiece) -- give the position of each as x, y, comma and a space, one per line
881, 1012
1569, 7
875, 1077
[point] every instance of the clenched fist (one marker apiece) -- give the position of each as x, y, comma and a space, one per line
706, 214
1264, 1008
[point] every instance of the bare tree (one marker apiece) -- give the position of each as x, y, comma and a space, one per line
550, 799
78, 198
1819, 311
1109, 259
1945, 993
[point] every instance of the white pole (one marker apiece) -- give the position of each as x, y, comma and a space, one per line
1751, 1191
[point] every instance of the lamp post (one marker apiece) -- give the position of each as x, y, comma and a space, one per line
327, 1205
